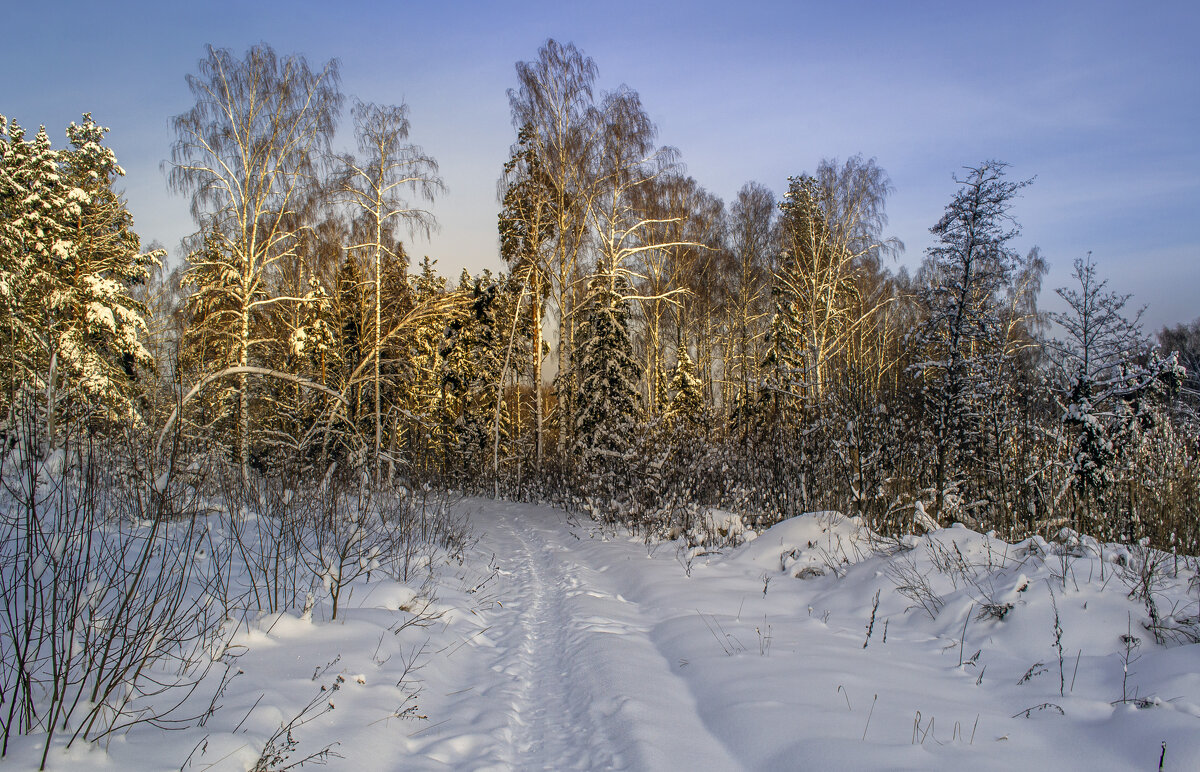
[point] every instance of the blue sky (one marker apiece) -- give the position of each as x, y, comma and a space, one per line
1099, 100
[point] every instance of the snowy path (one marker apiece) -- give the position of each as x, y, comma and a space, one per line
595, 651
551, 725
567, 662
557, 646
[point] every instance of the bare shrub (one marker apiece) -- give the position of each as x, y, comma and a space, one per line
1145, 573
109, 619
914, 585
264, 521
277, 752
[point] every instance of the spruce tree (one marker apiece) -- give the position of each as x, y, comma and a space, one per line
783, 365
527, 226
471, 357
807, 283
423, 382
660, 390
687, 403
316, 338
609, 405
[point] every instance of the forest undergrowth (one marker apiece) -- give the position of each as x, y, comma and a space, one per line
126, 575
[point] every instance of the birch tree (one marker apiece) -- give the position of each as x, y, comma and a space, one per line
246, 153
751, 240
527, 225
678, 229
554, 102
376, 186
831, 225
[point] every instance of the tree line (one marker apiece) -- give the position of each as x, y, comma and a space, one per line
649, 351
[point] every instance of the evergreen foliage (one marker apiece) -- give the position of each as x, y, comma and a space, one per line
1109, 387
610, 407
687, 403
74, 336
471, 356
783, 365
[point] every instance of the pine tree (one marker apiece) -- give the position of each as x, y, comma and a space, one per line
70, 256
33, 236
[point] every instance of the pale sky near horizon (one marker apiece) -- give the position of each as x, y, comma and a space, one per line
1099, 100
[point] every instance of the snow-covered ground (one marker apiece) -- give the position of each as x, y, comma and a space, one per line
557, 645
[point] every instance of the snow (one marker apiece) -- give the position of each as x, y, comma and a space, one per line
559, 644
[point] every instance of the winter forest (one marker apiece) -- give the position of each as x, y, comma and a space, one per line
297, 407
